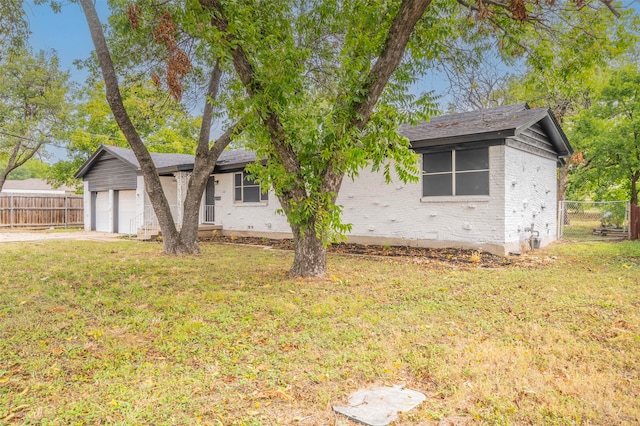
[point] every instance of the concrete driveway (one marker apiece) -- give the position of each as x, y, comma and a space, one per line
7, 236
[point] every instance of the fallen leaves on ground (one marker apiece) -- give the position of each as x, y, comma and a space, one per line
417, 255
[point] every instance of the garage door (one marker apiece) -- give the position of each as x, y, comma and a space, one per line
126, 211
102, 212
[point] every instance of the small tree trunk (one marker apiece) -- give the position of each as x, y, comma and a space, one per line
563, 181
310, 259
3, 178
190, 218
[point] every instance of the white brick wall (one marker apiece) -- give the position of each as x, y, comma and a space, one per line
398, 211
392, 213
530, 188
170, 189
247, 218
522, 188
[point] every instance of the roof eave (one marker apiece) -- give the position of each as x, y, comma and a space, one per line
551, 126
235, 166
471, 137
557, 136
175, 168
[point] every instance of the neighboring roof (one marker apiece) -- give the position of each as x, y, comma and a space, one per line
34, 186
491, 123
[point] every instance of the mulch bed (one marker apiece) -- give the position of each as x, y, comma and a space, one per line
451, 256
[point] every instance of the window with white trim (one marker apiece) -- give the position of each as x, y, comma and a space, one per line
246, 190
455, 172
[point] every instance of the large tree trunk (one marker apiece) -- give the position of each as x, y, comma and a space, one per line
310, 253
176, 242
310, 258
170, 239
203, 165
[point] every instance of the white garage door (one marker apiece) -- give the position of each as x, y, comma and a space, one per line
126, 211
102, 212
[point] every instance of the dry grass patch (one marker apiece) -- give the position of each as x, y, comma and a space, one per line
115, 333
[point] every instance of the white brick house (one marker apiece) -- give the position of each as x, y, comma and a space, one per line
489, 181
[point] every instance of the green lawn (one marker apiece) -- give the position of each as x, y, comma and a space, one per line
115, 333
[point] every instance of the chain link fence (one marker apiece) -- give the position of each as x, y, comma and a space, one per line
593, 221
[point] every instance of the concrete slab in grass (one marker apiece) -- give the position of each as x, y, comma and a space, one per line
380, 406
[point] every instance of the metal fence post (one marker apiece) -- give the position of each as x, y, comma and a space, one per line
561, 207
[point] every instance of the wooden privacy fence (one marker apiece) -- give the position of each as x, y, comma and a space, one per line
33, 210
634, 223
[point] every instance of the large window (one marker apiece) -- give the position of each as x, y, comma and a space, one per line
246, 190
456, 172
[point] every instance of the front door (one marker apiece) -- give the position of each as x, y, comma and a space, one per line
209, 200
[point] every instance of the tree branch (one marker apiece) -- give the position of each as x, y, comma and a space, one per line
152, 181
202, 151
612, 9
392, 52
111, 83
246, 73
394, 46
207, 116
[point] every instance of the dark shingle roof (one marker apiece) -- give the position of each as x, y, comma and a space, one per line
471, 123
167, 163
491, 123
235, 158
161, 160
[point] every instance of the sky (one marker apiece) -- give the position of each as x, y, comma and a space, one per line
66, 32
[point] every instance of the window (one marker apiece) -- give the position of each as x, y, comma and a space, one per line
456, 172
246, 190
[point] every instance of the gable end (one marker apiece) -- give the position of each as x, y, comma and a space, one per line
534, 140
109, 172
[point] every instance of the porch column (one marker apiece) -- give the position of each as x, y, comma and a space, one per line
113, 206
87, 206
182, 180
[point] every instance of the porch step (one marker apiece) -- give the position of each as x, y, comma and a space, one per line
151, 233
148, 234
